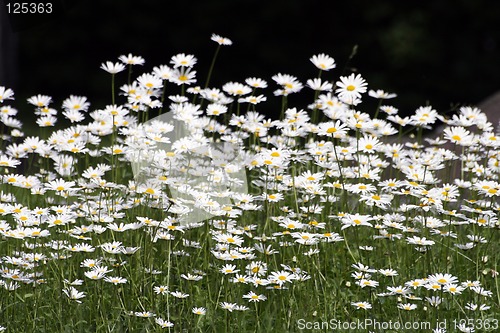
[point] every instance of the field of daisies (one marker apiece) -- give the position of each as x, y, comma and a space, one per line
180, 207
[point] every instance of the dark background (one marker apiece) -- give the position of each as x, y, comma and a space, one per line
428, 52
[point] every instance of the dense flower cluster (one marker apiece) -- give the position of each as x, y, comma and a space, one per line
219, 209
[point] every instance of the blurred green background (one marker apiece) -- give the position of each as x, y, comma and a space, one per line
428, 52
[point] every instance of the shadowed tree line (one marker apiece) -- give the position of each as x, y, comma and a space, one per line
436, 52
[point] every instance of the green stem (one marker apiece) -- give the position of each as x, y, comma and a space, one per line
209, 75
113, 89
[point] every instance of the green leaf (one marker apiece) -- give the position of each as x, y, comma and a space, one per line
19, 297
29, 295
